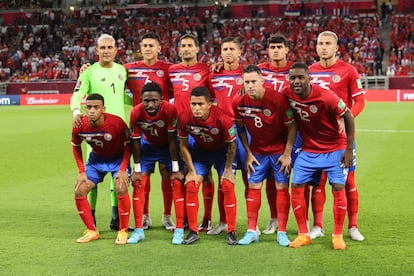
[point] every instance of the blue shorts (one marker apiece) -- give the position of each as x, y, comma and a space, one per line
150, 154
297, 147
267, 167
241, 155
97, 167
204, 160
309, 166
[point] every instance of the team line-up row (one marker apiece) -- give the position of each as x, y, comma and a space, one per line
280, 100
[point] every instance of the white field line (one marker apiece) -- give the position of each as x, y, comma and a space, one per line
385, 130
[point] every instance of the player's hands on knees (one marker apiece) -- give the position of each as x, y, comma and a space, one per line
83, 185
84, 67
177, 176
229, 175
136, 176
250, 161
347, 159
121, 182
77, 120
285, 162
190, 176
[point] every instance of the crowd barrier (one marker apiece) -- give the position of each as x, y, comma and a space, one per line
390, 95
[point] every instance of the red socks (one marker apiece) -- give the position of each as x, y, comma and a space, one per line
208, 195
230, 204
179, 203
299, 209
84, 211
253, 202
339, 210
220, 202
167, 194
147, 192
124, 207
283, 206
318, 201
192, 204
352, 197
271, 197
138, 200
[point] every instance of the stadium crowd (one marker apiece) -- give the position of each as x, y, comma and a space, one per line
52, 44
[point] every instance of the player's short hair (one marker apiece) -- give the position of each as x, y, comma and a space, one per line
191, 36
233, 39
278, 38
150, 87
105, 36
151, 35
300, 65
252, 68
201, 91
96, 96
328, 33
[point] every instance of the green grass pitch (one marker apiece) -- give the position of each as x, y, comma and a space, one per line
39, 223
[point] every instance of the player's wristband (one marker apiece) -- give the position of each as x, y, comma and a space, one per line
76, 112
175, 167
137, 167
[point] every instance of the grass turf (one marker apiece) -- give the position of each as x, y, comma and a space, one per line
40, 224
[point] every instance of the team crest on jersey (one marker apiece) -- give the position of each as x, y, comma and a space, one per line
336, 78
214, 131
313, 109
160, 73
239, 81
197, 77
267, 112
108, 137
160, 123
120, 77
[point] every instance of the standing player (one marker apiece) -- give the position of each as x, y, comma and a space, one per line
225, 84
151, 69
184, 77
108, 137
275, 74
154, 139
215, 144
107, 78
325, 146
342, 78
269, 120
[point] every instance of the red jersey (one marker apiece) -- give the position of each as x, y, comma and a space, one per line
212, 134
341, 78
139, 74
225, 85
266, 121
107, 141
317, 119
184, 79
154, 128
275, 78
